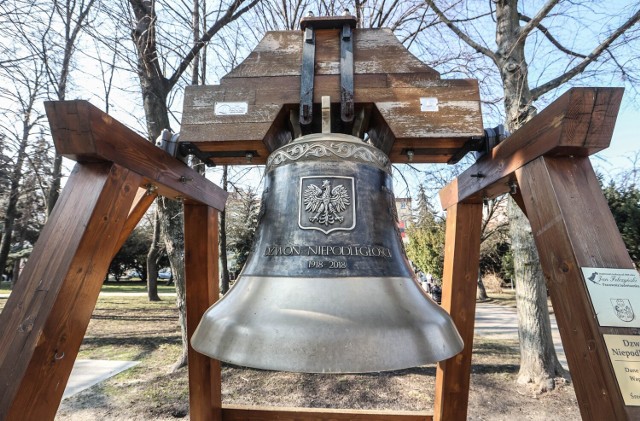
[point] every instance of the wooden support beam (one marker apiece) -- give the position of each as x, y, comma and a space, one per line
242, 413
579, 123
143, 200
46, 315
560, 195
85, 134
201, 275
459, 283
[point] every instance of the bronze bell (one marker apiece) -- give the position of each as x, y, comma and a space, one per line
327, 287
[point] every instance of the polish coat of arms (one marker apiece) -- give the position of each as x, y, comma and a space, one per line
326, 204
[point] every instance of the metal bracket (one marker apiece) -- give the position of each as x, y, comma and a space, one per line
346, 74
306, 76
309, 24
187, 148
481, 145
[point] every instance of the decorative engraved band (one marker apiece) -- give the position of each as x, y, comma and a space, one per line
328, 147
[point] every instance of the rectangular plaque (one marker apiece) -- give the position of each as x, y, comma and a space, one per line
615, 295
231, 108
624, 352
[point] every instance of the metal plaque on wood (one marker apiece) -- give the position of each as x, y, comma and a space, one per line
624, 352
615, 295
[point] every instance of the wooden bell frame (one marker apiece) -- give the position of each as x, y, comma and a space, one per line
118, 174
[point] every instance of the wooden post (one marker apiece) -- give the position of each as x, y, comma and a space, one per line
461, 260
201, 274
46, 316
573, 228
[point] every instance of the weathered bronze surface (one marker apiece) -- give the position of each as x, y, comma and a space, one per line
327, 287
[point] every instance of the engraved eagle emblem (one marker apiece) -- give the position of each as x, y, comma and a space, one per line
326, 203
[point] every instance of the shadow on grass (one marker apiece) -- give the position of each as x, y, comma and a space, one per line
146, 345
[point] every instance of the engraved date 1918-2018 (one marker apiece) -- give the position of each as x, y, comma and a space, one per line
331, 264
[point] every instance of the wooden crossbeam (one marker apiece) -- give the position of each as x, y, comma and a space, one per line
85, 134
116, 179
579, 123
244, 413
46, 315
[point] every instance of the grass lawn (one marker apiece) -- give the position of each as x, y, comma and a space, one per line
132, 328
121, 286
129, 327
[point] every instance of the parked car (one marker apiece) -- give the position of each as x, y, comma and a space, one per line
164, 273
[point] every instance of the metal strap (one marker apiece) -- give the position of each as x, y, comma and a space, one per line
306, 76
346, 73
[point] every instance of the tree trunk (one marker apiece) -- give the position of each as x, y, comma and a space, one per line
482, 292
538, 361
224, 278
11, 213
56, 177
152, 261
172, 234
16, 272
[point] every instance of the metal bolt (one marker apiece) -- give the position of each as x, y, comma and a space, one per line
185, 180
151, 189
410, 155
249, 157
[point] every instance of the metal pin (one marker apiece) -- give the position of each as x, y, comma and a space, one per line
410, 155
184, 179
249, 157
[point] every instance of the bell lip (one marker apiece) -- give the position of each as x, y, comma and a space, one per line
272, 354
319, 147
373, 369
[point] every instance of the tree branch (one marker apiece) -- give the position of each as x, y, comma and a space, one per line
579, 68
551, 39
479, 48
230, 15
542, 13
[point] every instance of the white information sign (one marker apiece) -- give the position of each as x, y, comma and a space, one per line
615, 295
624, 352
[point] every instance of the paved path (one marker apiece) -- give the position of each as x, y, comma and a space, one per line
501, 322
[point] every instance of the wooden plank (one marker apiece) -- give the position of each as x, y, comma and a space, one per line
578, 123
201, 277
141, 203
243, 413
560, 194
279, 53
459, 283
46, 316
84, 133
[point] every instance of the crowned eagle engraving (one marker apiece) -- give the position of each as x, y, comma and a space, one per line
326, 203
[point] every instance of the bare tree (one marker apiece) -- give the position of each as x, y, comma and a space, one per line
55, 49
157, 86
19, 120
516, 45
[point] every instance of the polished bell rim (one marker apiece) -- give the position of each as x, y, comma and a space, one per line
295, 331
